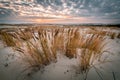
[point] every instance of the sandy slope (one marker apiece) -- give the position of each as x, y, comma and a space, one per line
64, 68
11, 66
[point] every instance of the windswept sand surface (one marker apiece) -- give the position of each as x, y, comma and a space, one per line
12, 67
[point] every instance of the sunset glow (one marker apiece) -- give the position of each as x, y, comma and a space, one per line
59, 11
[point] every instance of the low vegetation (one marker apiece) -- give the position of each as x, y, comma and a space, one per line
38, 46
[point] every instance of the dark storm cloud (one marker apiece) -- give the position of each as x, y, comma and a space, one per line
94, 9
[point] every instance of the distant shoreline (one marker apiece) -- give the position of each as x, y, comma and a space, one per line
32, 24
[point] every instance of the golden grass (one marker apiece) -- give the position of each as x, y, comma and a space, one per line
24, 34
44, 44
112, 35
72, 42
91, 50
38, 46
118, 36
8, 39
56, 42
99, 31
102, 32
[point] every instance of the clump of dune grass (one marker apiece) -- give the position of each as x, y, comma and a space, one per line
37, 54
91, 48
72, 42
59, 38
102, 32
56, 42
118, 36
112, 35
99, 31
7, 39
39, 50
43, 40
91, 51
24, 34
32, 55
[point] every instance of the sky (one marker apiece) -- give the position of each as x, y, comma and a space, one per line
60, 11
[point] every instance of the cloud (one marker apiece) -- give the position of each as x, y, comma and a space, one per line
57, 9
7, 12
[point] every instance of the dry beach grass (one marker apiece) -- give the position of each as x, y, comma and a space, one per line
38, 46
